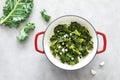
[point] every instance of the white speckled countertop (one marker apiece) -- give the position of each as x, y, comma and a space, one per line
20, 61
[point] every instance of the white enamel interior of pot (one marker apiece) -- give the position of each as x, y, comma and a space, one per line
67, 20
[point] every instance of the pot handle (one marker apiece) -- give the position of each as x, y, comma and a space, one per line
36, 42
104, 42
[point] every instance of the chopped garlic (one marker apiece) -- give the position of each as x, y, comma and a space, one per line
59, 46
65, 35
66, 50
93, 72
102, 63
69, 38
72, 58
63, 50
70, 34
63, 43
60, 53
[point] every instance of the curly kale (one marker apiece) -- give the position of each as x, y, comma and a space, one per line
15, 12
45, 15
25, 31
71, 42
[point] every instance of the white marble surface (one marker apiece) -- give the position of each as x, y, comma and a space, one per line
20, 61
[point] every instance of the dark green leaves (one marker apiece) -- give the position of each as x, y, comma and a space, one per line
15, 12
74, 26
45, 15
25, 31
60, 28
71, 42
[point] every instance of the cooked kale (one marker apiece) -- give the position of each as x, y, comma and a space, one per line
71, 42
74, 26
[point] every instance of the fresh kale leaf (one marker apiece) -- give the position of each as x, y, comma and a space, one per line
24, 32
45, 15
15, 12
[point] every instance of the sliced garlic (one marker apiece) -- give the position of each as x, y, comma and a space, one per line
93, 72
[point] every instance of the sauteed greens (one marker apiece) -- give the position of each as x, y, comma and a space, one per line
70, 43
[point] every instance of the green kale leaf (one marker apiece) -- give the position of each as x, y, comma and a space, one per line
24, 32
15, 12
45, 15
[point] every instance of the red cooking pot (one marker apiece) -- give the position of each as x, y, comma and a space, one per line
67, 20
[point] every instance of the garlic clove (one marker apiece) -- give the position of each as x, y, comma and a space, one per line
93, 72
102, 64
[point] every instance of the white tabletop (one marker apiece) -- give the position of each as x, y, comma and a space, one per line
20, 61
